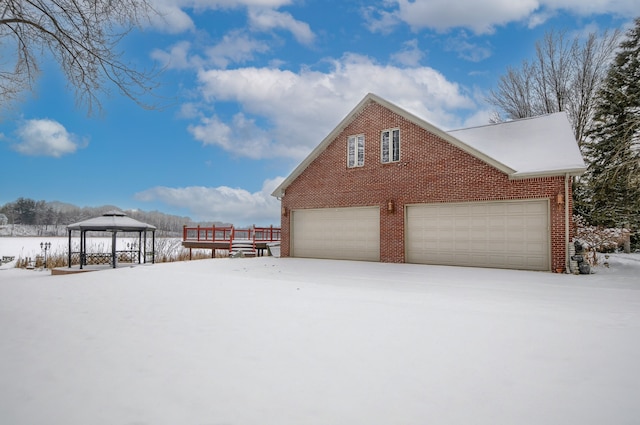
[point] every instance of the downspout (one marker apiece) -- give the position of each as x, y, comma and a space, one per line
566, 223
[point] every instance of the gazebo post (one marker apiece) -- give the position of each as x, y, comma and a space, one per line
153, 252
82, 249
113, 248
139, 246
69, 256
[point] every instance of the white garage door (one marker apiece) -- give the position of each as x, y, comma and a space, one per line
509, 234
336, 233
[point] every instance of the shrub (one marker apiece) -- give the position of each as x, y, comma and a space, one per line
596, 239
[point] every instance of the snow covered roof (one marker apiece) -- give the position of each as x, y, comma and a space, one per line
112, 220
534, 147
543, 145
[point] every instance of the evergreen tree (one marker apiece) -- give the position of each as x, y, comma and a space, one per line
614, 140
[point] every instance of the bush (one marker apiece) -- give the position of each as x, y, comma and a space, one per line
597, 239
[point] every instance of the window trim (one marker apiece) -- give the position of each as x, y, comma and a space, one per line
393, 155
358, 157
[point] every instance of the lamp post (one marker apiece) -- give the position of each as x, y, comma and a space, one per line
45, 246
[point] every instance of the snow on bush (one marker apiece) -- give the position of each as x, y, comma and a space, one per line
596, 239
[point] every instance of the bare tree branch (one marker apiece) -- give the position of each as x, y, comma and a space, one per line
83, 37
564, 76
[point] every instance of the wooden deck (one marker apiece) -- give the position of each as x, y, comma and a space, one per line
254, 240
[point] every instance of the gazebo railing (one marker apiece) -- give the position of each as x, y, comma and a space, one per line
99, 258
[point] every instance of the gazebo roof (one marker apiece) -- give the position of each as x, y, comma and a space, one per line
112, 221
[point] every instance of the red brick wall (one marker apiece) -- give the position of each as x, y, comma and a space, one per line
430, 170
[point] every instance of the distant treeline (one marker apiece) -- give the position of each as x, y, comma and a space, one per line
26, 211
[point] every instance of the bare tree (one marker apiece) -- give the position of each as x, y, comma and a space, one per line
82, 36
515, 94
564, 76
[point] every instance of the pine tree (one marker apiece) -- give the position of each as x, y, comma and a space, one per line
613, 148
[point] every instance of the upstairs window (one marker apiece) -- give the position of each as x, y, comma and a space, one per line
355, 151
390, 146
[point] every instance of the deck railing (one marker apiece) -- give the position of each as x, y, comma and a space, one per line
229, 233
267, 234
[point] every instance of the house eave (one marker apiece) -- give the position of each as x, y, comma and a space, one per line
577, 171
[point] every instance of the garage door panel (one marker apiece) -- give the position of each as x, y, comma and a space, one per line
336, 233
539, 249
535, 221
536, 238
517, 262
476, 221
505, 234
537, 263
447, 245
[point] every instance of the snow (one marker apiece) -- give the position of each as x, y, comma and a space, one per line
29, 247
529, 146
299, 341
112, 220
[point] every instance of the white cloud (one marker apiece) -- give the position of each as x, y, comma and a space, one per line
268, 19
44, 137
539, 18
379, 20
441, 15
410, 55
242, 137
483, 16
235, 47
177, 57
173, 19
302, 108
467, 49
231, 4
222, 203
212, 131
478, 118
189, 111
623, 8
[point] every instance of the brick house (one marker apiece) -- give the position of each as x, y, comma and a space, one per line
387, 186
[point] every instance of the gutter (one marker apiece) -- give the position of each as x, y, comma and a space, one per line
576, 171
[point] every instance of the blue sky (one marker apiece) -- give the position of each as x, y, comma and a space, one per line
250, 87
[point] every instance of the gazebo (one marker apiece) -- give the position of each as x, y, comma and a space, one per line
113, 222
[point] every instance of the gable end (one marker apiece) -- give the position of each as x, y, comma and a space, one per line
369, 98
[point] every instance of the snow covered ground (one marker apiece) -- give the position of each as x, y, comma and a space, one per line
29, 247
275, 341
